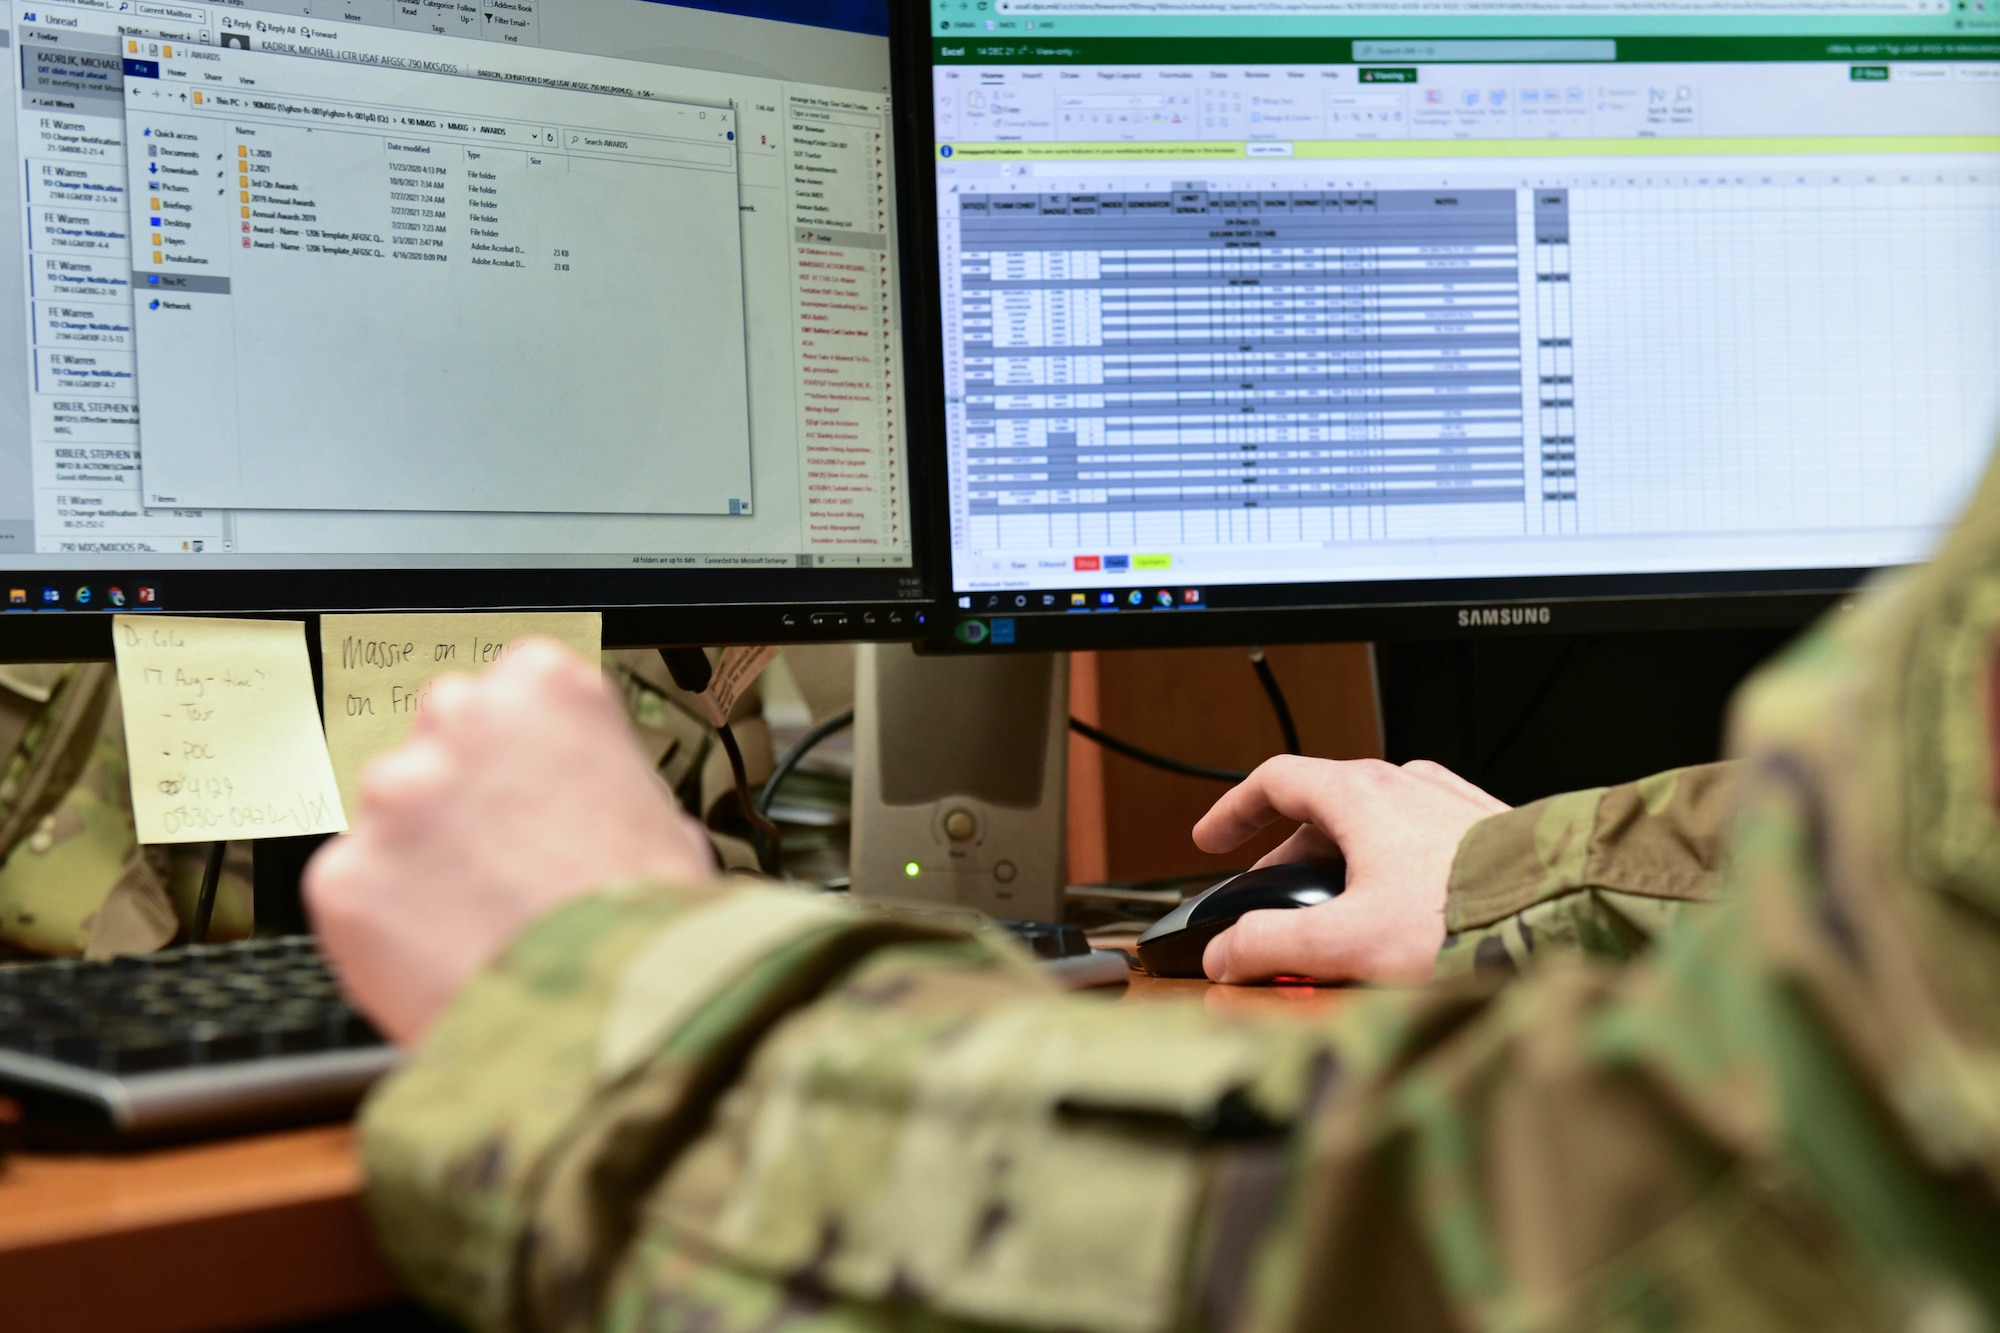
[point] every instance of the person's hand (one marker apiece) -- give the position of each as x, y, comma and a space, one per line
517, 790
1397, 827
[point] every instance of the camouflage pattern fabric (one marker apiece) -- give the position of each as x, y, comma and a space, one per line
73, 878
1604, 871
739, 1109
675, 734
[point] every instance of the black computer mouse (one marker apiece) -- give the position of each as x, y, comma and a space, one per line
1172, 946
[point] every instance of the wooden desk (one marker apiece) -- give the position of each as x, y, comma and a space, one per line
254, 1232
242, 1234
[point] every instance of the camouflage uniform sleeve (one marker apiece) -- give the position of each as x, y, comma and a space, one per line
732, 1112
1603, 871
744, 1110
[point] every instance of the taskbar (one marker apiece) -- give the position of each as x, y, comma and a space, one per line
1177, 614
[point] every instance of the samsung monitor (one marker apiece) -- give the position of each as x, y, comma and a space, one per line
322, 305
1256, 320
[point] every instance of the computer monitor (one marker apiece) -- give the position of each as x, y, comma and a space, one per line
1258, 320
378, 304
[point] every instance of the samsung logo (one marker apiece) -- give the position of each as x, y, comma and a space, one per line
1470, 617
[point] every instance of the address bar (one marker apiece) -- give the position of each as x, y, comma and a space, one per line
1441, 8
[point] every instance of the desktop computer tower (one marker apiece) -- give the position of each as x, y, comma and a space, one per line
960, 780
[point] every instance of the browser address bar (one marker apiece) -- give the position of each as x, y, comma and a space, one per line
1444, 8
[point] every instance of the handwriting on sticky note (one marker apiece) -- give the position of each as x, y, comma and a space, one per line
221, 734
378, 669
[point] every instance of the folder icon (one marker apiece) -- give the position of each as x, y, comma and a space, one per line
242, 150
246, 210
169, 51
243, 181
155, 203
156, 238
246, 197
197, 99
157, 259
132, 48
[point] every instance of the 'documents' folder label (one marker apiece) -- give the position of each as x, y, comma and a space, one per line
221, 736
379, 667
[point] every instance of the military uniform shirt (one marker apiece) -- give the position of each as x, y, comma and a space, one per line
1714, 1050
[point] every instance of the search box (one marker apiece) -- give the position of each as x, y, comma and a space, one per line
1433, 53
180, 13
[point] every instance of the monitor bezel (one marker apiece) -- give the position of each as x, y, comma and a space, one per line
1349, 611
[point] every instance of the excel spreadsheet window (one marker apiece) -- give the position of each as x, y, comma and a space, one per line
1289, 299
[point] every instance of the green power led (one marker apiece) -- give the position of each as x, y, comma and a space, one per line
912, 869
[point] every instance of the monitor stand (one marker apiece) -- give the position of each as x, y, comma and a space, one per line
1531, 715
277, 864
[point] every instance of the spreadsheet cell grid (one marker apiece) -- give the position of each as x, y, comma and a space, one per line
1203, 349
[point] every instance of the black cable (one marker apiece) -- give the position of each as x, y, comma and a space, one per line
692, 671
1269, 679
204, 901
1545, 687
837, 723
764, 834
1131, 751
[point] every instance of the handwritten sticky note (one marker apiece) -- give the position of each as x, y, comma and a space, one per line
221, 734
379, 667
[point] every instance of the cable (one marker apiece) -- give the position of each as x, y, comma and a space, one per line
692, 671
1269, 679
1543, 689
204, 901
764, 834
1131, 751
837, 723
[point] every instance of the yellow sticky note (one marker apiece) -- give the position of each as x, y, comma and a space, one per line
220, 733
377, 669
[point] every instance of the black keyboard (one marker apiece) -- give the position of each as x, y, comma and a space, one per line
181, 1044
213, 1039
